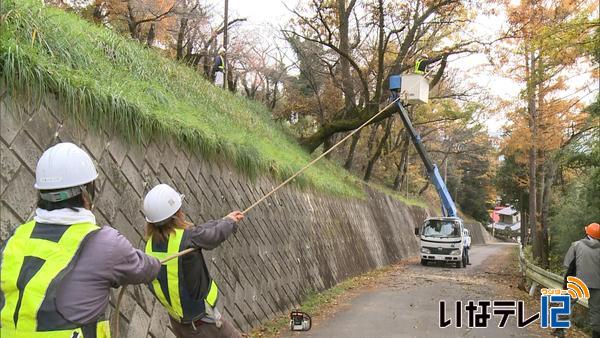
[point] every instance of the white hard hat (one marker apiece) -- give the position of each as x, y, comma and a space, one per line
64, 165
221, 50
161, 203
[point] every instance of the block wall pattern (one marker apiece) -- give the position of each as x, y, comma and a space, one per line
295, 242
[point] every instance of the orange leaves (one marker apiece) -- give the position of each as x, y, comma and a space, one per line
322, 106
519, 137
557, 120
552, 35
142, 18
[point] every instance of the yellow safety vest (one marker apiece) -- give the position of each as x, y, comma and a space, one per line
169, 286
34, 261
222, 66
418, 65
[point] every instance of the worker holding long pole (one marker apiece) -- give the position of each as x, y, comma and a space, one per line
56, 271
184, 285
166, 221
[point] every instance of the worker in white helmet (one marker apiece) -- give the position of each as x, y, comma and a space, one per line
184, 285
56, 270
424, 61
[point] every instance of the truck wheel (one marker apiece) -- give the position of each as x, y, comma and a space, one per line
464, 261
423, 262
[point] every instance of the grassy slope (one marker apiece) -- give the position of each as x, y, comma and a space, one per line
108, 80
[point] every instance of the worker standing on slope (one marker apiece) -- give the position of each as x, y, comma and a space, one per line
219, 67
583, 261
56, 271
184, 285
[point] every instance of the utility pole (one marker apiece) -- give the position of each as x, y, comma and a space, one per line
226, 24
446, 169
406, 175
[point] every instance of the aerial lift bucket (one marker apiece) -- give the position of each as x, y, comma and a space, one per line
413, 88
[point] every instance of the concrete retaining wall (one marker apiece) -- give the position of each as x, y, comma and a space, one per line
478, 233
295, 242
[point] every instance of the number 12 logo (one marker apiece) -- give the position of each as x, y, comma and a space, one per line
553, 314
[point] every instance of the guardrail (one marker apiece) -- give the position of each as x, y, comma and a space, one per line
542, 277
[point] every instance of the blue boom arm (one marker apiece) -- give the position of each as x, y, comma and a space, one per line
448, 207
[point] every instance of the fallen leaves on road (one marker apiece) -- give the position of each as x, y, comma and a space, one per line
497, 277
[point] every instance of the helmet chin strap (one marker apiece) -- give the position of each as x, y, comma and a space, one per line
89, 196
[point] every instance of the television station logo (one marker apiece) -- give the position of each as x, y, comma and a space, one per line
555, 308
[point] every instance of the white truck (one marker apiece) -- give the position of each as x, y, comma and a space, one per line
444, 239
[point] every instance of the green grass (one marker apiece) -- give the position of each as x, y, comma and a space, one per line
109, 81
317, 303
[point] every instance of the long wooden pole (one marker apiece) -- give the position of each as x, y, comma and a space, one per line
186, 251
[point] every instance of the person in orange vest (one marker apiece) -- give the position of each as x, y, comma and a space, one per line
583, 261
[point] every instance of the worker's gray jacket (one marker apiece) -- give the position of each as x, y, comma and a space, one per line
206, 236
586, 253
106, 260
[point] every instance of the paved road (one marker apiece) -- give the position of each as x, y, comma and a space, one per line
406, 303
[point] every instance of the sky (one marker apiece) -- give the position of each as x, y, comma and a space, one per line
266, 15
259, 12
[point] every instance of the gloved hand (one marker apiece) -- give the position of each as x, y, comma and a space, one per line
236, 216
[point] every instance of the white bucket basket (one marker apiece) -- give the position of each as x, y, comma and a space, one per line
415, 88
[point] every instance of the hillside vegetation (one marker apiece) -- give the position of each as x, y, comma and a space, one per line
107, 80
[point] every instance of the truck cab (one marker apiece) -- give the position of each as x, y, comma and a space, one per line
443, 239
